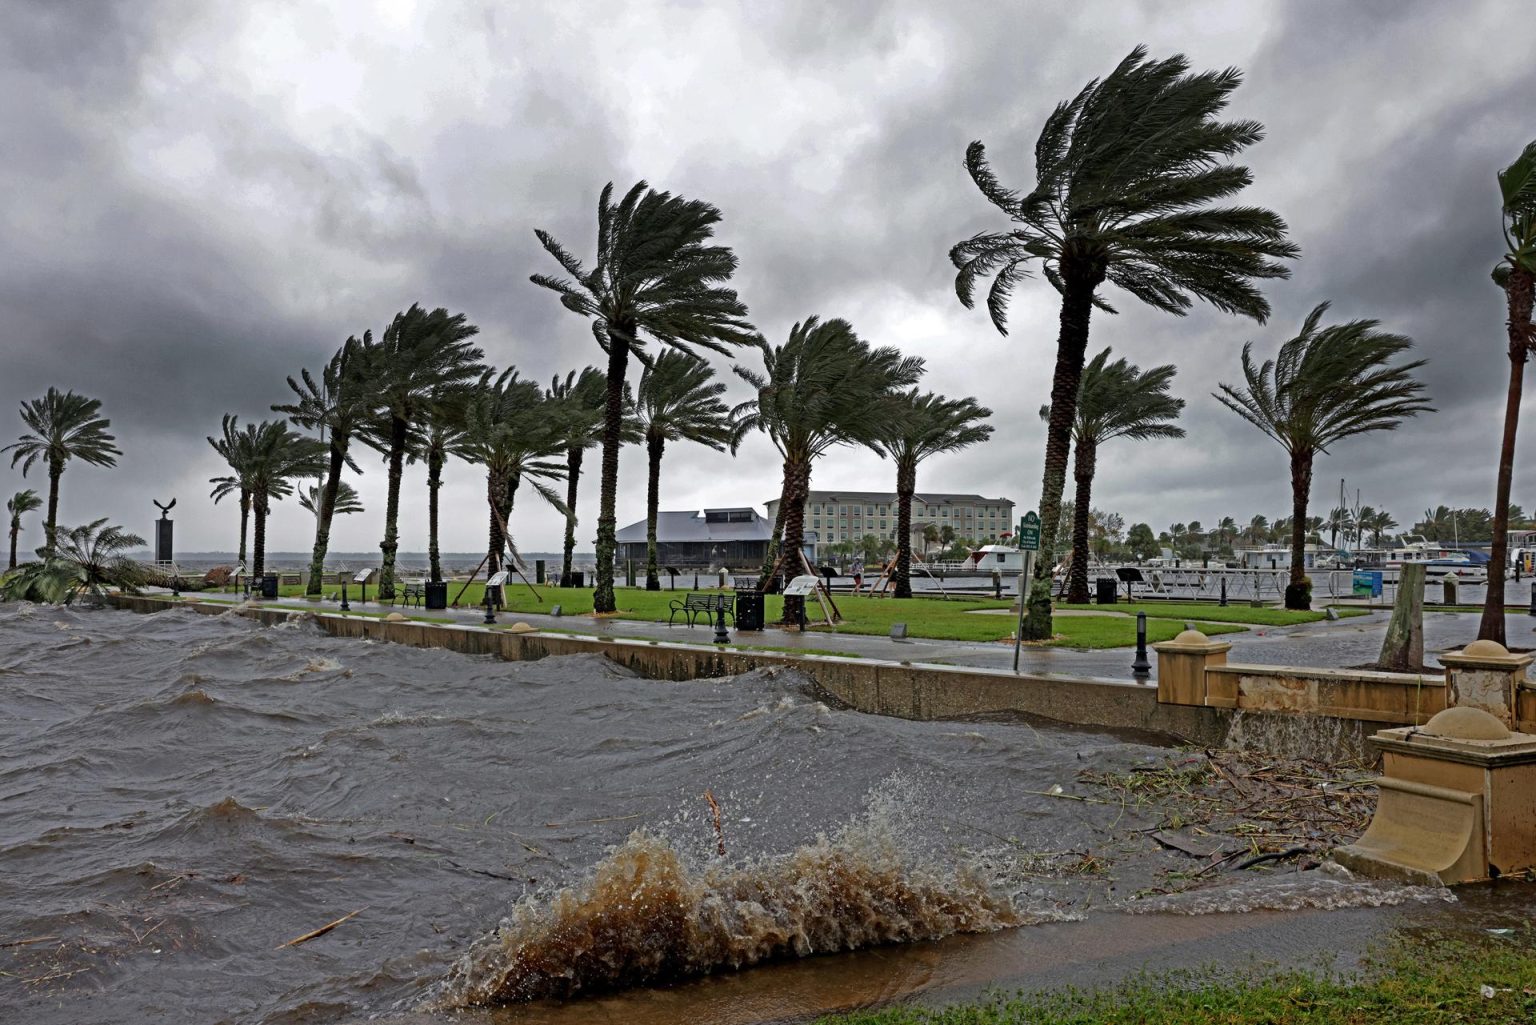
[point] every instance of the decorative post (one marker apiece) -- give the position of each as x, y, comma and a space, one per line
1485, 675
1141, 668
1181, 665
164, 549
721, 637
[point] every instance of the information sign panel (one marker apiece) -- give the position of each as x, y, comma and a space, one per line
1029, 532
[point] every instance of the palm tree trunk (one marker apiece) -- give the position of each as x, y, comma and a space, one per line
391, 542
797, 477
613, 437
654, 444
765, 576
259, 543
495, 491
51, 528
15, 532
245, 520
1301, 489
323, 520
1518, 293
906, 487
572, 475
1084, 463
1079, 280
434, 484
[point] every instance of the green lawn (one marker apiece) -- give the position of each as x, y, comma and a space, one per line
1426, 981
925, 617
1216, 614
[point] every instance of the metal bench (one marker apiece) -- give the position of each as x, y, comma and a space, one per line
414, 592
706, 605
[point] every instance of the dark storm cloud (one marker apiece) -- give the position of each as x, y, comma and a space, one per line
200, 199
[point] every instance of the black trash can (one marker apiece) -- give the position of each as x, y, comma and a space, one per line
269, 585
1107, 589
538, 571
576, 579
436, 594
749, 610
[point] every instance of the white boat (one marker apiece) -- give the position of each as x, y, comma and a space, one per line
1439, 562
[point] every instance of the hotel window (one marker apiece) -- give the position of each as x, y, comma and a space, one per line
885, 510
882, 525
945, 514
869, 510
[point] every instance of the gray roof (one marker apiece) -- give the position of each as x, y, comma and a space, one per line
927, 498
690, 525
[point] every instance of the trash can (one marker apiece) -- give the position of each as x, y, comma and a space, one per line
269, 585
749, 610
436, 594
538, 571
575, 578
1106, 589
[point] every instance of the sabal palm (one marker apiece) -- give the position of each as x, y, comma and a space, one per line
824, 387
509, 431
420, 351
917, 426
17, 505
580, 400
63, 426
1325, 385
656, 276
1127, 175
1115, 400
233, 446
678, 399
346, 502
87, 559
1516, 275
337, 405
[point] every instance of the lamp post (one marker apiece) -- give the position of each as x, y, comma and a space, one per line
1141, 668
344, 606
721, 637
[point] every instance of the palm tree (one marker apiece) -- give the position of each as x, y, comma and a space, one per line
233, 446
1516, 275
655, 274
509, 431
1379, 524
1126, 175
1327, 384
822, 388
17, 505
913, 428
1115, 400
64, 426
678, 399
1339, 520
84, 560
1227, 531
419, 353
347, 500
580, 401
438, 433
337, 405
1258, 529
930, 538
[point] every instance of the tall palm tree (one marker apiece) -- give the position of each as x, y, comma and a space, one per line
1227, 531
418, 353
271, 459
1327, 384
233, 446
510, 432
822, 388
86, 560
915, 427
1115, 400
1379, 524
1258, 529
580, 401
1127, 173
347, 500
438, 433
64, 426
1516, 275
337, 405
17, 505
678, 399
656, 274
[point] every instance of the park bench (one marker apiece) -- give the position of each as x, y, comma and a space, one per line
413, 592
696, 605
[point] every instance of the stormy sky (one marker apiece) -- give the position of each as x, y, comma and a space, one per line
201, 198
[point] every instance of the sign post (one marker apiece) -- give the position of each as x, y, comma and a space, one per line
1029, 542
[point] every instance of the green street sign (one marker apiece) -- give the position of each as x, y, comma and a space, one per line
1029, 532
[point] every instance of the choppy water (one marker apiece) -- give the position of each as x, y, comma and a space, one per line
180, 795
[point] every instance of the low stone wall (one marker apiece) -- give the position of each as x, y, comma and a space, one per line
1374, 697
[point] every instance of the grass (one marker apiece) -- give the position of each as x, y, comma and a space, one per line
1216, 614
1416, 981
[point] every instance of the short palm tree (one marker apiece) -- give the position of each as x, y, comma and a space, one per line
419, 353
657, 275
1227, 529
1327, 384
271, 459
1127, 175
1115, 400
915, 427
87, 560
1516, 275
678, 399
824, 387
64, 426
233, 446
346, 502
336, 405
1379, 525
580, 400
19, 504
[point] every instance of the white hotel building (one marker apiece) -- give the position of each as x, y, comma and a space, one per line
833, 516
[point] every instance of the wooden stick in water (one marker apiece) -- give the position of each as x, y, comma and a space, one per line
320, 931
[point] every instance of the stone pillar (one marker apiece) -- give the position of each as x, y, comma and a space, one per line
1181, 666
1485, 675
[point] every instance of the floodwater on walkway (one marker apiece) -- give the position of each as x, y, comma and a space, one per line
182, 796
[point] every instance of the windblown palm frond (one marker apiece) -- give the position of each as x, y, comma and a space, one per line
89, 560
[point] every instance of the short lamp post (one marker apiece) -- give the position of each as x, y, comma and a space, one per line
1141, 668
721, 637
345, 607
